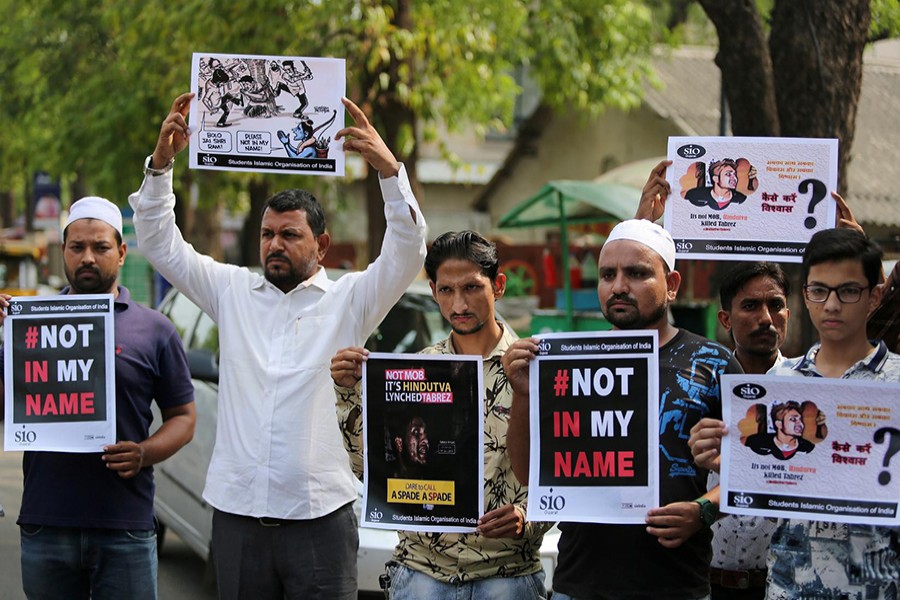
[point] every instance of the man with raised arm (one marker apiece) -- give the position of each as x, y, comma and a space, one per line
279, 478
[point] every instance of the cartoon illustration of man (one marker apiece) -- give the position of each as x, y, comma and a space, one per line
222, 92
787, 419
304, 133
290, 80
257, 98
723, 179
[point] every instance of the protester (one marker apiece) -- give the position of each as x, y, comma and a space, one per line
279, 479
501, 560
669, 558
754, 311
841, 270
87, 524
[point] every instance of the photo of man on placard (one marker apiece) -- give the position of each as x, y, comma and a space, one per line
788, 439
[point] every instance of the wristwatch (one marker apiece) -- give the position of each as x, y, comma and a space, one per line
157, 172
709, 512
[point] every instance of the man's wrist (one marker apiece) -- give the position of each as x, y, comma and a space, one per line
709, 511
156, 172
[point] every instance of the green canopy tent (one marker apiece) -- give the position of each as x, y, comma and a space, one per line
565, 202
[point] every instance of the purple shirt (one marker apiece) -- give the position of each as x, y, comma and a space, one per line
77, 490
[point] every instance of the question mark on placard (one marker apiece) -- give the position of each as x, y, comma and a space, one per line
893, 447
818, 192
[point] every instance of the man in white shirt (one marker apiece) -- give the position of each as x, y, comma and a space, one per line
279, 478
755, 313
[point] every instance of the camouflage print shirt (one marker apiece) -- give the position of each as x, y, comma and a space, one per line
814, 559
455, 557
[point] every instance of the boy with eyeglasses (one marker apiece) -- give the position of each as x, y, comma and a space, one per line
811, 559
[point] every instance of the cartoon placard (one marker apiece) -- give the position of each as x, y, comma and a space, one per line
273, 114
745, 198
594, 427
59, 365
423, 429
811, 448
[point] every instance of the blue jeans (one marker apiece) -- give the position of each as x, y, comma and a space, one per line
561, 596
101, 564
407, 584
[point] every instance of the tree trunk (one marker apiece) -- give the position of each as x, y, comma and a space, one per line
259, 192
806, 81
392, 117
746, 66
817, 54
7, 208
206, 235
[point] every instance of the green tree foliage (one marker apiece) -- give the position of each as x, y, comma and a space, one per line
86, 83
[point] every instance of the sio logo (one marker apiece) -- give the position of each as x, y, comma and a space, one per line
375, 515
743, 500
15, 308
749, 391
552, 504
684, 246
543, 347
25, 437
691, 151
209, 160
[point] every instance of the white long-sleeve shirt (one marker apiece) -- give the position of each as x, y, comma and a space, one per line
278, 450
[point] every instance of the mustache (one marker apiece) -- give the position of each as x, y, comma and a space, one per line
623, 298
770, 330
274, 255
454, 315
87, 269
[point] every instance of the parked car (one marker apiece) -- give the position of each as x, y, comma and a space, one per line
414, 323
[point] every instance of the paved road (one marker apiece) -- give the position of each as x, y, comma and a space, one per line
180, 570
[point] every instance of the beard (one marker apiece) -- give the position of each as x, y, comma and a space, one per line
288, 275
90, 280
473, 329
634, 319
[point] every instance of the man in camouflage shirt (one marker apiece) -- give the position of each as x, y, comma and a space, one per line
501, 559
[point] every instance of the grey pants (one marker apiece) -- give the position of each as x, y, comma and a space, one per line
277, 559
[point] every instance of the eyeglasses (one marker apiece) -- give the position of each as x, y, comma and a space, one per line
846, 294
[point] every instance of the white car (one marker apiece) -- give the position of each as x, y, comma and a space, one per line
414, 323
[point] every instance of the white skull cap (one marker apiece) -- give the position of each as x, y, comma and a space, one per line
650, 234
94, 207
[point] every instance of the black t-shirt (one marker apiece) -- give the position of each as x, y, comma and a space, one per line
600, 562
702, 197
764, 444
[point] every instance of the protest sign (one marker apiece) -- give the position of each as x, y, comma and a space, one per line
744, 198
272, 114
423, 430
811, 448
59, 364
594, 433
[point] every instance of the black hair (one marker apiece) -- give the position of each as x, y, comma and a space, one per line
466, 245
779, 410
843, 244
741, 273
294, 199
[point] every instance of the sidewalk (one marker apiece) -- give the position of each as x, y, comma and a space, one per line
10, 500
